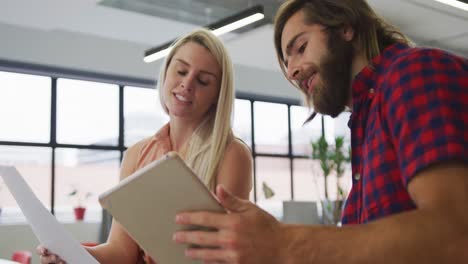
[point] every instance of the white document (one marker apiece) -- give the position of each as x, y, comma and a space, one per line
45, 226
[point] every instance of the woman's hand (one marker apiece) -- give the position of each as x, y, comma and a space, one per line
48, 257
148, 259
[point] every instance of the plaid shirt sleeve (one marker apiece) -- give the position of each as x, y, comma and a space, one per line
427, 109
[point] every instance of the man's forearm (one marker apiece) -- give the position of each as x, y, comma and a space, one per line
412, 237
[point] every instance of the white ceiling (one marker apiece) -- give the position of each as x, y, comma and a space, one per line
87, 17
426, 21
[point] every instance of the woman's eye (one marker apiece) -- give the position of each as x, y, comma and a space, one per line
302, 48
182, 73
204, 83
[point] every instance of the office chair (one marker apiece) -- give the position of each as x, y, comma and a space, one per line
22, 256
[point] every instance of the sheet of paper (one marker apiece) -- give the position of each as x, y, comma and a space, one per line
45, 226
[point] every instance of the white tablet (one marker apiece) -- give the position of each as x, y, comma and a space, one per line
146, 203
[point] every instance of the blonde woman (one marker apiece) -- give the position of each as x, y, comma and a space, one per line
196, 91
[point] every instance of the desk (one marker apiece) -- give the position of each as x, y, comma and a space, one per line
7, 261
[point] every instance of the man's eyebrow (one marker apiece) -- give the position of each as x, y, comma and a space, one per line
292, 42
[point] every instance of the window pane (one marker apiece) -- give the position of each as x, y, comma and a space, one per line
275, 173
144, 115
24, 104
334, 128
341, 128
34, 164
271, 128
243, 121
308, 180
89, 171
309, 183
87, 113
302, 136
329, 128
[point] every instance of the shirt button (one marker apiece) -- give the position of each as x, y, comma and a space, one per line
371, 90
357, 176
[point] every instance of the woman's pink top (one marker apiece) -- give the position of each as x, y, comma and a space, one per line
153, 149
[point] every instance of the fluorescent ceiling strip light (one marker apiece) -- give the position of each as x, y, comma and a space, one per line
454, 3
238, 24
158, 55
223, 26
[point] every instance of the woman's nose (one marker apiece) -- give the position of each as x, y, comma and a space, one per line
187, 84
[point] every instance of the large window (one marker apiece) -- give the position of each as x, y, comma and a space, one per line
66, 135
303, 134
144, 114
24, 107
271, 127
87, 172
308, 181
87, 113
242, 125
34, 163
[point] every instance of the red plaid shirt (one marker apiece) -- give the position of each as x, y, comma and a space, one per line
410, 110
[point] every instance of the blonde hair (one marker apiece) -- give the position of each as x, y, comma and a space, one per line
205, 148
372, 33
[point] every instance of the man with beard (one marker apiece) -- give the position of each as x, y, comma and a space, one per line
409, 137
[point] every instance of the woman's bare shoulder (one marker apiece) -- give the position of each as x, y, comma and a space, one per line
235, 171
130, 159
237, 147
236, 153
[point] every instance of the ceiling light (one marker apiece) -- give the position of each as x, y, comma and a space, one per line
218, 28
238, 24
455, 3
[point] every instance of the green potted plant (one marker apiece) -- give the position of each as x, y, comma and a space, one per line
332, 159
267, 191
80, 198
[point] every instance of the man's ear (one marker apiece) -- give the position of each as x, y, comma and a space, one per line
348, 33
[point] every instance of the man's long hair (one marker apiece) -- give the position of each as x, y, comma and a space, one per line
371, 33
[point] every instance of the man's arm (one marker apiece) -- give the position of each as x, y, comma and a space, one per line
436, 232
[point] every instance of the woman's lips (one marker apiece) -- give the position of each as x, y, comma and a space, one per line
182, 98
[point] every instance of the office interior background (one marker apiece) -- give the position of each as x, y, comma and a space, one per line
75, 93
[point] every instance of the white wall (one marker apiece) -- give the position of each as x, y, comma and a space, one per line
79, 51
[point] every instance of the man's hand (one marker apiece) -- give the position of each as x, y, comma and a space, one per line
245, 235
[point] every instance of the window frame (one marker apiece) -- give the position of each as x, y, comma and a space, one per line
121, 81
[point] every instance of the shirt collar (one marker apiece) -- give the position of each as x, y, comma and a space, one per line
163, 138
365, 79
363, 85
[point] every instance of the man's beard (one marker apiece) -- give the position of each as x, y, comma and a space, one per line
332, 94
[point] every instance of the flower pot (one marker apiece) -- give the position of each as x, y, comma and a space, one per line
79, 213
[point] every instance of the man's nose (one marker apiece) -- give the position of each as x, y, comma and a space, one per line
293, 73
